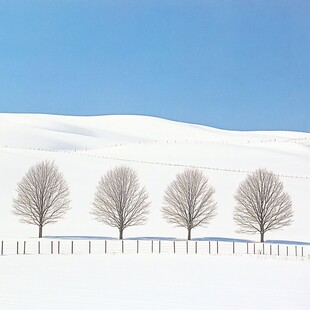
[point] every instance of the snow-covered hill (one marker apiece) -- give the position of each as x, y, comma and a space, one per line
84, 148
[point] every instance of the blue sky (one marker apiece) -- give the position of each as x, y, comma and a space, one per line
230, 64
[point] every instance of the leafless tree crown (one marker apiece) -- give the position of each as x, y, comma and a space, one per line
188, 200
42, 195
119, 200
261, 204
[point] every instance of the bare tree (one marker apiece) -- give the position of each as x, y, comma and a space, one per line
188, 201
261, 204
119, 200
42, 196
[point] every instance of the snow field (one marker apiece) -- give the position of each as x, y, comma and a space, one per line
157, 149
84, 148
154, 282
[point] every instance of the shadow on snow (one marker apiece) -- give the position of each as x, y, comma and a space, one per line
221, 239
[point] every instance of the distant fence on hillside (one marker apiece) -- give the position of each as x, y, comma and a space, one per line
70, 247
85, 153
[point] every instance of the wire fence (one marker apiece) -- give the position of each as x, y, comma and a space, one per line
84, 153
80, 247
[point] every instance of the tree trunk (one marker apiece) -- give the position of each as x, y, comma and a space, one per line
262, 237
120, 233
40, 231
189, 235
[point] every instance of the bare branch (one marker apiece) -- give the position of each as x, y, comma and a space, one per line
42, 196
119, 200
188, 201
261, 204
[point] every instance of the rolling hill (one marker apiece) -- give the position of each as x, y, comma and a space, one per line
85, 147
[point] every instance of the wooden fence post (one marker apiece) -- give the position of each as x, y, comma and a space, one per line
247, 248
254, 247
17, 248
217, 247
2, 247
137, 246
58, 247
152, 246
302, 251
122, 246
89, 247
233, 247
52, 247
159, 247
24, 247
295, 250
287, 250
174, 247
270, 251
39, 248
72, 247
278, 249
209, 247
105, 247
186, 246
263, 248
196, 249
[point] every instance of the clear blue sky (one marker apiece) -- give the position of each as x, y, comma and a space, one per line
229, 64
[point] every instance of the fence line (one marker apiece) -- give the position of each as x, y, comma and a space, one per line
240, 140
158, 163
71, 247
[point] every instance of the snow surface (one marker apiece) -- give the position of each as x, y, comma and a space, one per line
84, 148
153, 282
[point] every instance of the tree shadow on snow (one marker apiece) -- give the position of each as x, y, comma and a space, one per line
287, 242
222, 239
79, 237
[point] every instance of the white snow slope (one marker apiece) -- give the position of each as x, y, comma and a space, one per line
84, 148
